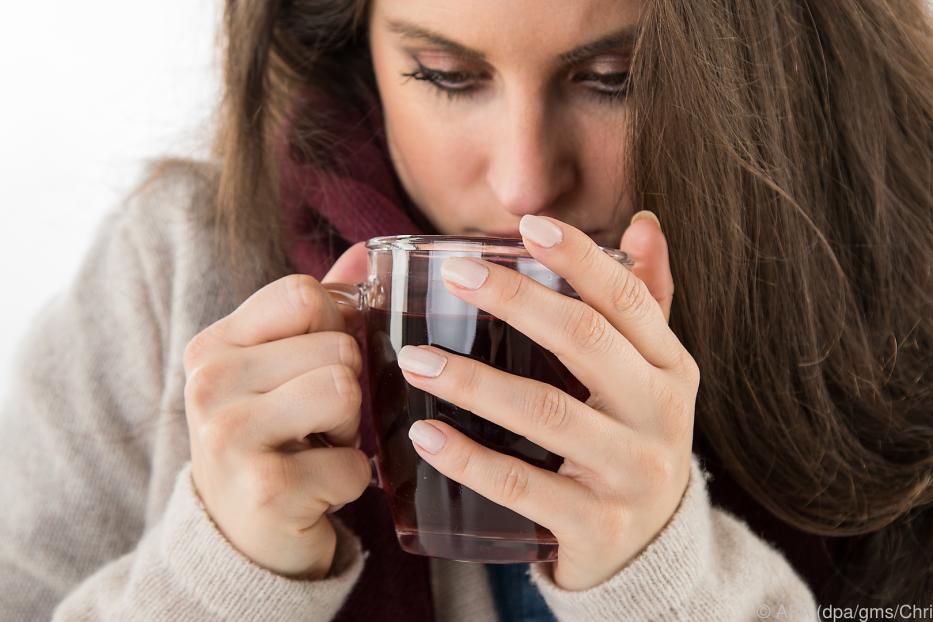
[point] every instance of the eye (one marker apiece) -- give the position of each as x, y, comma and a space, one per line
453, 83
613, 85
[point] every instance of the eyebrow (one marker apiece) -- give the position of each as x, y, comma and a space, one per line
624, 38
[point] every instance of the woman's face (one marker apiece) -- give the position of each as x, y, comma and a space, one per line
498, 109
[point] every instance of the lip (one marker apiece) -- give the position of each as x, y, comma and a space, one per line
501, 234
517, 234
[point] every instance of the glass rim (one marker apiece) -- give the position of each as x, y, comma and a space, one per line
490, 246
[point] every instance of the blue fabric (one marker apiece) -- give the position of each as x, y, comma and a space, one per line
516, 597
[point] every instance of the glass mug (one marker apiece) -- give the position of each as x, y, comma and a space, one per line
404, 301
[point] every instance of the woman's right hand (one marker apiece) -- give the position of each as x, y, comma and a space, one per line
280, 367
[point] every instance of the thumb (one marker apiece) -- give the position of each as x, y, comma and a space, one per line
351, 267
644, 241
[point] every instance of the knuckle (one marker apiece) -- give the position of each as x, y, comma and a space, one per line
655, 467
348, 470
691, 370
346, 385
299, 292
350, 354
462, 463
589, 330
513, 291
197, 348
629, 293
362, 472
547, 409
512, 484
470, 385
592, 259
268, 478
205, 383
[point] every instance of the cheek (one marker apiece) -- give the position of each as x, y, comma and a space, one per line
438, 152
608, 178
604, 162
439, 161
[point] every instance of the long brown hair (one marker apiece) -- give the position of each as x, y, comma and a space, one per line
787, 147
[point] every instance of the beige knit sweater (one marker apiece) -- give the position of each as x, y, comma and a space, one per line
98, 517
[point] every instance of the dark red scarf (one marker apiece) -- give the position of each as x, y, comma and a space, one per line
358, 199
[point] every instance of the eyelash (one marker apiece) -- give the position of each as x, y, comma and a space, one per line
437, 79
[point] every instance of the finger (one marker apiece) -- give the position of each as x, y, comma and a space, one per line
538, 411
351, 267
549, 499
293, 305
645, 243
325, 400
324, 477
603, 283
593, 350
268, 365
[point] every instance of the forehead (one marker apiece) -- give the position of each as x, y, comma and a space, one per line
534, 30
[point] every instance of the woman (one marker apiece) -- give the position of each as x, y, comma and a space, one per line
786, 148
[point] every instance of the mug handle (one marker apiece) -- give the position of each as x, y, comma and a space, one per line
347, 294
354, 297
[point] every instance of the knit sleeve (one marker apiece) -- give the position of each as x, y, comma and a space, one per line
186, 570
83, 532
705, 565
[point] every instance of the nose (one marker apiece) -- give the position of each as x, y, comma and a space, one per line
531, 165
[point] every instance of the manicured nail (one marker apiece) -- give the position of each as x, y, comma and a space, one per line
646, 215
540, 230
464, 272
421, 361
427, 436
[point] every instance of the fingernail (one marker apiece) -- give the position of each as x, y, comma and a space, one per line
540, 230
464, 272
427, 436
421, 361
646, 215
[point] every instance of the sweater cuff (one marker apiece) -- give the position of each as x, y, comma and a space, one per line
214, 573
660, 581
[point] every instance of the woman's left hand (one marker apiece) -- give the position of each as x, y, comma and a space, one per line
626, 451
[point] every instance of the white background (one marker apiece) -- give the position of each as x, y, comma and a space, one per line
90, 90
